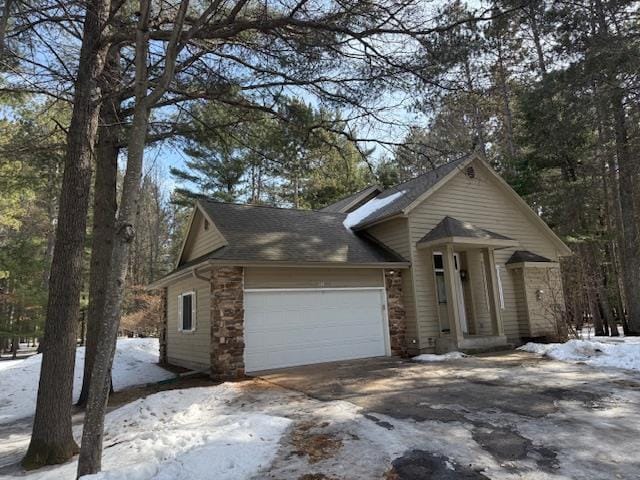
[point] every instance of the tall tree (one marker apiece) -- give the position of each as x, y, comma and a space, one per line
52, 437
90, 460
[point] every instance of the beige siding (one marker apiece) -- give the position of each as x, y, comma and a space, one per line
200, 241
520, 295
543, 309
395, 234
189, 349
483, 202
292, 277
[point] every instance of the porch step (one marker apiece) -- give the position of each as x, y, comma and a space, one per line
497, 348
474, 344
483, 341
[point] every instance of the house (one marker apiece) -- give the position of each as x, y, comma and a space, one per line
452, 259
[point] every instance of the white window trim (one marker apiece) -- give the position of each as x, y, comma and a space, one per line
193, 311
500, 289
439, 270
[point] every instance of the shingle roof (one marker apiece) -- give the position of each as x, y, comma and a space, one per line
451, 227
345, 204
411, 191
260, 233
520, 256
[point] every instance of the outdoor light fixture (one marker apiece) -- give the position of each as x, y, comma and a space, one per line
539, 294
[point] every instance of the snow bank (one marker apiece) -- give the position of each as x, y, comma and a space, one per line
428, 357
189, 434
600, 354
369, 208
134, 364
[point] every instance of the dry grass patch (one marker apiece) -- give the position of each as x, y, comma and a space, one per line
316, 446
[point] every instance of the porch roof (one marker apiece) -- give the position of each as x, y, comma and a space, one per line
520, 256
452, 230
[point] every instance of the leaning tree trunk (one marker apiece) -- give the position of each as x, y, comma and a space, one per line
90, 460
90, 456
52, 438
104, 219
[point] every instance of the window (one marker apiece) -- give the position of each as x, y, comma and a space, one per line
187, 312
438, 268
206, 224
500, 290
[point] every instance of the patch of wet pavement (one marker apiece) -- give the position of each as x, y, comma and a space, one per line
507, 445
421, 465
377, 421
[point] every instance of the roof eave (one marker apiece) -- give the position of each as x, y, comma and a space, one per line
391, 216
466, 241
514, 265
177, 275
212, 262
289, 264
363, 194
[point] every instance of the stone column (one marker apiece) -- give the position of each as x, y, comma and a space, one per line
396, 312
163, 327
227, 323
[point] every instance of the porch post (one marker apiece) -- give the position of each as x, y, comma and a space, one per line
495, 295
452, 295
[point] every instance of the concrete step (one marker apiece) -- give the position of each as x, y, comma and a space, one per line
496, 348
473, 344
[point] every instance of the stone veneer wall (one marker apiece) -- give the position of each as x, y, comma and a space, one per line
396, 312
163, 326
227, 323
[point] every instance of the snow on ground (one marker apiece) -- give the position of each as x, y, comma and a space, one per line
370, 207
531, 420
190, 434
135, 364
429, 357
612, 352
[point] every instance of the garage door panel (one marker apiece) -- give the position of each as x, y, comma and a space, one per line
287, 328
312, 353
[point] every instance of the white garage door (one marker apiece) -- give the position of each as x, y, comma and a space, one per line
284, 328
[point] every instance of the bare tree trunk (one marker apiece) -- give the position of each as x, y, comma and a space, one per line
90, 460
52, 438
506, 104
15, 341
627, 176
4, 22
51, 219
605, 282
535, 32
104, 218
479, 143
629, 243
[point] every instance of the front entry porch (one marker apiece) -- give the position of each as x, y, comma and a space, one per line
468, 286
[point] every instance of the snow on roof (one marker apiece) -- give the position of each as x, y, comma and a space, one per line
369, 208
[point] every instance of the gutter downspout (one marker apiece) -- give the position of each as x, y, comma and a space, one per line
195, 274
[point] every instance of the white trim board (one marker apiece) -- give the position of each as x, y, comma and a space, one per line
309, 289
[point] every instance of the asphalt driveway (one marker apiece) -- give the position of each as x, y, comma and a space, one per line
534, 418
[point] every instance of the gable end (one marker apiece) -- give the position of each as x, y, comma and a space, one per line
201, 236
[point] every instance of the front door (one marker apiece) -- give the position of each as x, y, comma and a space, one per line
460, 294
